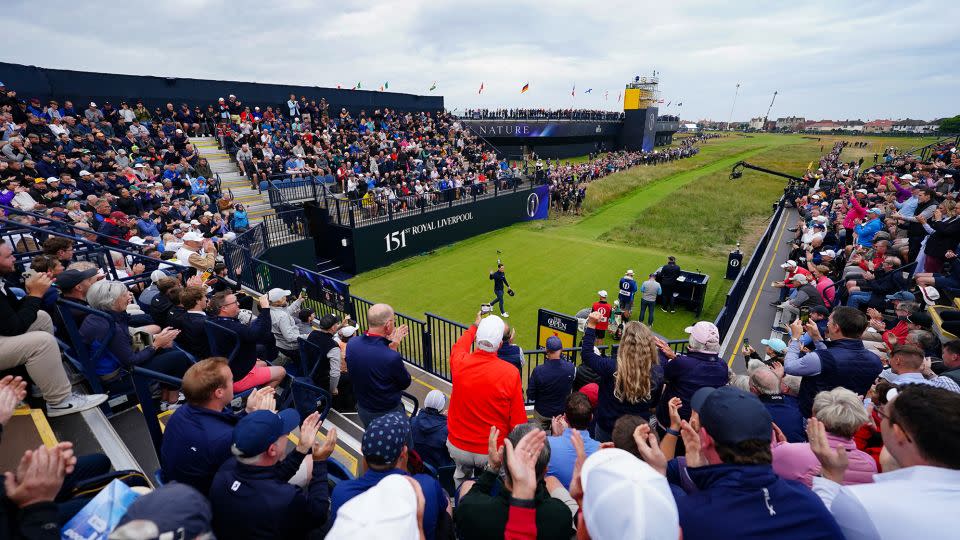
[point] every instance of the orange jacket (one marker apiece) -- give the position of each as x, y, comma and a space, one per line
486, 392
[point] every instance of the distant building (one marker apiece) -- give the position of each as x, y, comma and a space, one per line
914, 126
790, 123
823, 126
852, 125
756, 123
878, 126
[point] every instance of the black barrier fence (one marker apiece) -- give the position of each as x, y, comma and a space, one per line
741, 285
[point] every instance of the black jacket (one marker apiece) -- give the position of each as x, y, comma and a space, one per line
669, 273
16, 315
946, 236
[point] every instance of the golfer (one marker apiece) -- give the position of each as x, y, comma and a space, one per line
499, 281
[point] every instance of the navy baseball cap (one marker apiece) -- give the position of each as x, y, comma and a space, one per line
554, 343
385, 437
175, 509
256, 431
731, 415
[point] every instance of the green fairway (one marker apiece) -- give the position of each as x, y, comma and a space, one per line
633, 219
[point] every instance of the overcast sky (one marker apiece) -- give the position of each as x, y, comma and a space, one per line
865, 59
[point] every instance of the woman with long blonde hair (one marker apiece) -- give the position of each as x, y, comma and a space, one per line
631, 382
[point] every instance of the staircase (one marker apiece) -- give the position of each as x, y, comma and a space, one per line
257, 203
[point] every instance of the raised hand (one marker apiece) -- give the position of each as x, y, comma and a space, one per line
522, 461
40, 476
576, 487
308, 433
833, 462
558, 424
691, 440
322, 451
649, 448
493, 452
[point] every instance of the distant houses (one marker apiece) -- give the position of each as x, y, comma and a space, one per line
793, 124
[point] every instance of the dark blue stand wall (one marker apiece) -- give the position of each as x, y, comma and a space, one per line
83, 87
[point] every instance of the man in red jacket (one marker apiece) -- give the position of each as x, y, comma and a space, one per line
487, 392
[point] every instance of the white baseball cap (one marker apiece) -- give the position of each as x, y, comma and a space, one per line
490, 333
602, 293
276, 294
85, 173
348, 331
906, 177
387, 510
623, 493
629, 272
193, 236
789, 264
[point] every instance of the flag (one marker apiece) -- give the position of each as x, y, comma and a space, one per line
526, 86
619, 95
481, 89
386, 85
433, 86
588, 90
357, 87
573, 92
668, 103
606, 94
680, 104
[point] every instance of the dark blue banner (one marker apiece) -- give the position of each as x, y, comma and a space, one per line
538, 203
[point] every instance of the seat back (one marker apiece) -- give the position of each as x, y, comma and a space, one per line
310, 355
86, 357
218, 336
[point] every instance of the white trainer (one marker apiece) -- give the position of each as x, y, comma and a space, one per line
507, 315
75, 403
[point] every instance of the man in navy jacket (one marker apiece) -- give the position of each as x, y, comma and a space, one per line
376, 368
251, 495
739, 495
247, 370
197, 439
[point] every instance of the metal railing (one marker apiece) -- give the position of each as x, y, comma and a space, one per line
741, 284
367, 211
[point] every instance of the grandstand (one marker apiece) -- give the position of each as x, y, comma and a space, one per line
123, 224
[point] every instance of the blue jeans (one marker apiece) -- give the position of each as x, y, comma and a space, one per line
858, 297
647, 306
498, 299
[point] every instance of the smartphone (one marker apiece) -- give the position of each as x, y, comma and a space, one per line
746, 342
804, 316
485, 308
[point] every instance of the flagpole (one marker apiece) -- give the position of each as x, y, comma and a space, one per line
735, 94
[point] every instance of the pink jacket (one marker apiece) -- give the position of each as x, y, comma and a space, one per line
795, 461
856, 212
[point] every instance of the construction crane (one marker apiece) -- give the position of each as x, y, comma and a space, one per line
768, 109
